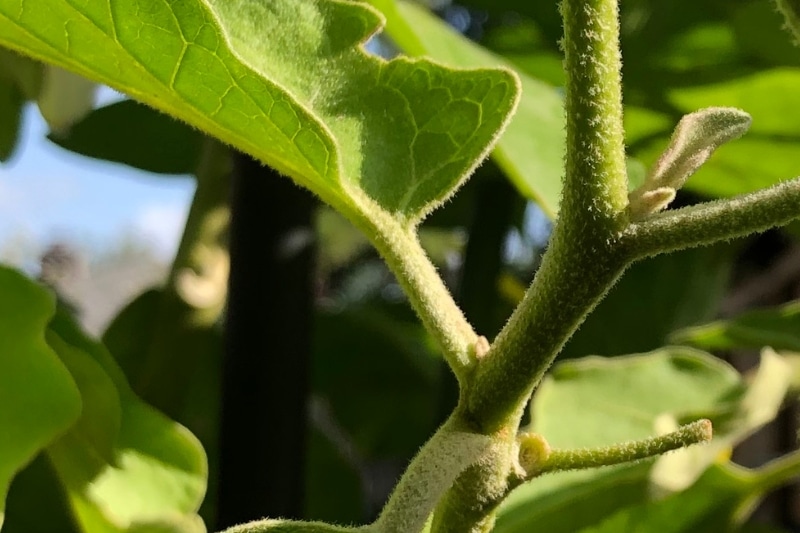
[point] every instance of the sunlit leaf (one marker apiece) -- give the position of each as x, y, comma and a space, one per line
39, 399
531, 150
125, 466
308, 100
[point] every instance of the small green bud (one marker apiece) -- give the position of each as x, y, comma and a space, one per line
533, 452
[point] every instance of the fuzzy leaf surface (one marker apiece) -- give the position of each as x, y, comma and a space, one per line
287, 82
531, 150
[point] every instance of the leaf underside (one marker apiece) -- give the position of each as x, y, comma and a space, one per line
288, 82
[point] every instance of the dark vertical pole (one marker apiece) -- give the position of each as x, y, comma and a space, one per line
267, 351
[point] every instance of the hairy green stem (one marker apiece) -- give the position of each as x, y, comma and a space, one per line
584, 258
559, 460
443, 319
431, 473
711, 222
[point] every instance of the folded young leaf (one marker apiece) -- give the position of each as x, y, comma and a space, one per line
288, 82
695, 138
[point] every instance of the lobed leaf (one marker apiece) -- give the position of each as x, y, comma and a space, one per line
289, 83
531, 150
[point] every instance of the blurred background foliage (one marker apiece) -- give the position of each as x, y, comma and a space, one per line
348, 383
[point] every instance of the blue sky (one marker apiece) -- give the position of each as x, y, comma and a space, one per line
48, 193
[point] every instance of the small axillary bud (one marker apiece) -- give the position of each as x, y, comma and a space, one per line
533, 453
481, 347
695, 138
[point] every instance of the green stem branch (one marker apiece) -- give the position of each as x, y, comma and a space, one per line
560, 460
584, 258
427, 293
720, 220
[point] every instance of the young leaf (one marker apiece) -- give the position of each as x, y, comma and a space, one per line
288, 82
39, 399
695, 138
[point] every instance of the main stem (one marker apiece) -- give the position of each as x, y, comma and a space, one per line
584, 258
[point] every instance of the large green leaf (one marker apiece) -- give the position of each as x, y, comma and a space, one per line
38, 398
125, 467
130, 133
531, 150
569, 502
741, 415
288, 82
778, 328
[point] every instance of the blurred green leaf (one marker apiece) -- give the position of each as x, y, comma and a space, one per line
36, 502
38, 396
364, 360
738, 419
654, 298
778, 328
23, 71
11, 102
333, 488
20, 79
530, 151
64, 98
711, 504
755, 23
568, 502
635, 391
130, 336
133, 134
156, 476
599, 401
